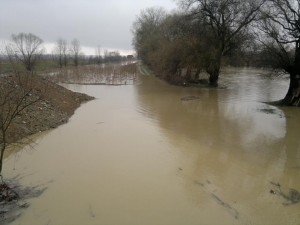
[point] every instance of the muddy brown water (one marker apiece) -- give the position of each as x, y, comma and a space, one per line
139, 155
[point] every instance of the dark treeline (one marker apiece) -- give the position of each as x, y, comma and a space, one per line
204, 35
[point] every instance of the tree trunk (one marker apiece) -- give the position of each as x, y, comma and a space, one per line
214, 70
1, 157
213, 79
60, 61
188, 75
65, 60
292, 97
197, 75
28, 66
76, 60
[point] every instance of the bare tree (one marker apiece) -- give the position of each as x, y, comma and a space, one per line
227, 19
98, 54
146, 31
16, 94
25, 48
281, 40
61, 51
75, 50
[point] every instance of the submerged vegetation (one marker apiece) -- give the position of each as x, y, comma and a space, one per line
113, 74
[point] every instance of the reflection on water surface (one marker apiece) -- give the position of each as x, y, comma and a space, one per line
138, 154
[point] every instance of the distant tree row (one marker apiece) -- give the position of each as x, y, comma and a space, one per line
206, 34
64, 52
27, 49
108, 57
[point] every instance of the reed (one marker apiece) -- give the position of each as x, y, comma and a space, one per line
112, 74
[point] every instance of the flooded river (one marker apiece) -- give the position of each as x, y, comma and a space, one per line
139, 155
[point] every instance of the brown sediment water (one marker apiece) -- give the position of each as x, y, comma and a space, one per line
141, 155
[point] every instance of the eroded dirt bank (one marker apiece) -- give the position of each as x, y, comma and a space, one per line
55, 107
52, 106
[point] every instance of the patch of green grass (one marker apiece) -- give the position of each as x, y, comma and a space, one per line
10, 67
46, 65
41, 66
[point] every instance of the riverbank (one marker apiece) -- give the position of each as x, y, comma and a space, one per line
55, 106
52, 105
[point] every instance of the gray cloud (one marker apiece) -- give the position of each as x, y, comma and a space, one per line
92, 22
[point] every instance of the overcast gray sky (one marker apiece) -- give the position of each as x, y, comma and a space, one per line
93, 22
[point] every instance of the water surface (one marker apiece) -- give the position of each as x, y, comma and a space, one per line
138, 155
